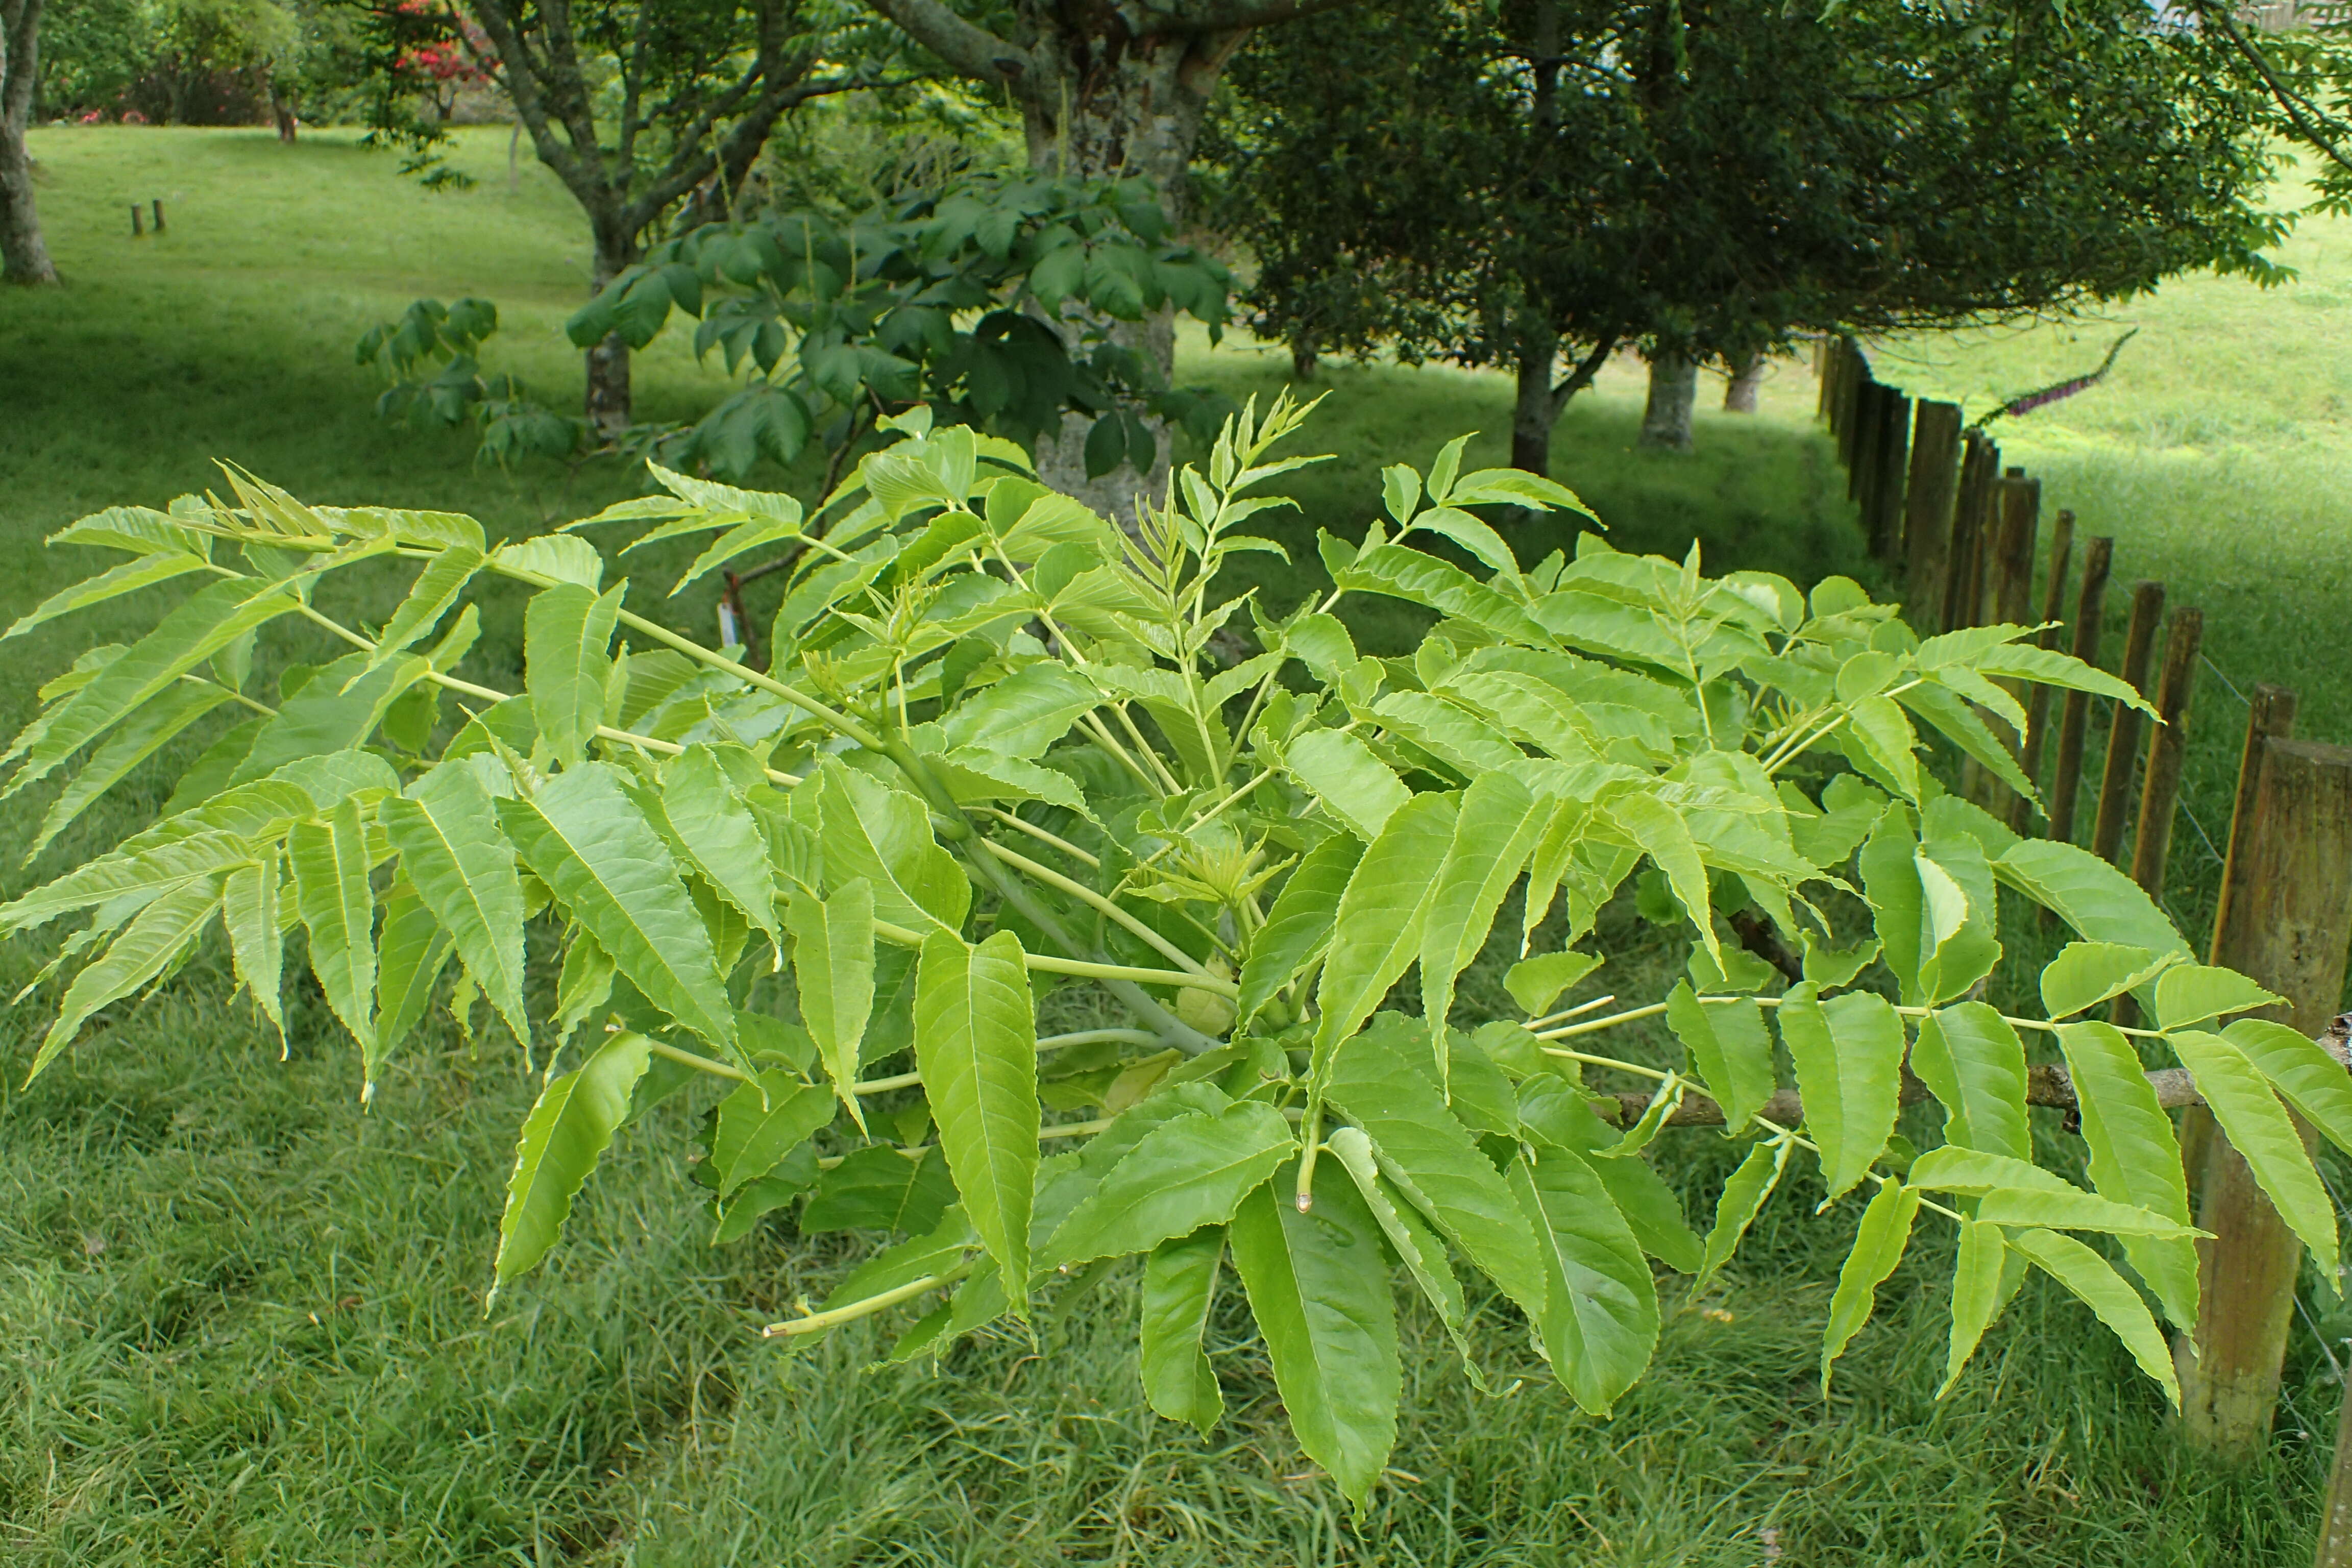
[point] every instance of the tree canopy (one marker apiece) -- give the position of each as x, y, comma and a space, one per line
1515, 183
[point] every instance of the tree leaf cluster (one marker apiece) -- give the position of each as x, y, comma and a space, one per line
996, 768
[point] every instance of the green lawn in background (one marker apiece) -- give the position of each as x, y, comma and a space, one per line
243, 1319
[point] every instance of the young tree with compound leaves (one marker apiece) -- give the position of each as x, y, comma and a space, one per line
1534, 184
1105, 91
1000, 922
24, 255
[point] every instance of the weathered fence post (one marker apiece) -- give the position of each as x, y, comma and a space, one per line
2074, 719
2167, 747
2287, 926
1927, 509
158, 215
2270, 716
1882, 518
2037, 709
2008, 601
2123, 736
1979, 462
1861, 445
137, 222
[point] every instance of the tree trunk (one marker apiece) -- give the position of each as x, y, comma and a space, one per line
1747, 381
24, 255
608, 403
282, 107
1099, 103
1536, 409
1674, 387
1303, 358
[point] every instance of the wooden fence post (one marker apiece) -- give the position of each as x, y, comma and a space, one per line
2008, 601
1862, 446
1884, 518
138, 224
2037, 708
1829, 357
2073, 720
1851, 387
1979, 463
2123, 736
2167, 747
1928, 511
2287, 928
2270, 715
2160, 794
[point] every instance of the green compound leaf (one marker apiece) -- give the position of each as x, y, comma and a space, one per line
761, 1123
1179, 1282
1186, 1173
1598, 1321
446, 831
1298, 928
708, 820
2314, 1082
411, 952
140, 737
564, 1136
256, 939
1728, 1044
1974, 1064
1849, 1058
583, 837
1422, 1146
1381, 911
329, 858
2086, 974
1979, 1293
833, 960
1355, 787
2095, 1282
2189, 994
567, 640
1494, 834
2135, 1157
1416, 1245
1742, 1200
429, 598
1319, 1290
1877, 1248
153, 943
2265, 1137
976, 1045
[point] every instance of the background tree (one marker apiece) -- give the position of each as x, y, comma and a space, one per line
1534, 184
1104, 92
636, 106
24, 256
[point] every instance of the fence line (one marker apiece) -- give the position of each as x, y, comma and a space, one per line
1963, 531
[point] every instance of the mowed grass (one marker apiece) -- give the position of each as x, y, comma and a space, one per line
244, 1319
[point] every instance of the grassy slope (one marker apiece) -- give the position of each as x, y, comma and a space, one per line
244, 1318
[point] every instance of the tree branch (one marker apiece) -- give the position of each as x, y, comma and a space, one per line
972, 50
1227, 16
1586, 369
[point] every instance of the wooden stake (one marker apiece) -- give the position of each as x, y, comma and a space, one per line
2287, 929
1979, 461
2009, 595
2073, 722
2160, 797
1884, 519
1827, 351
1862, 447
1928, 511
2270, 715
2123, 737
2037, 706
158, 215
136, 222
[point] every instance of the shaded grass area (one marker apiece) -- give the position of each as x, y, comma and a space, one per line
245, 1320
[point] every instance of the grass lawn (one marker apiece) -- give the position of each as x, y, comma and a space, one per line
243, 1319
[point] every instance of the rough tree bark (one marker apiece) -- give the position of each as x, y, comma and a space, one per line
1105, 91
1739, 394
714, 130
24, 255
1674, 388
